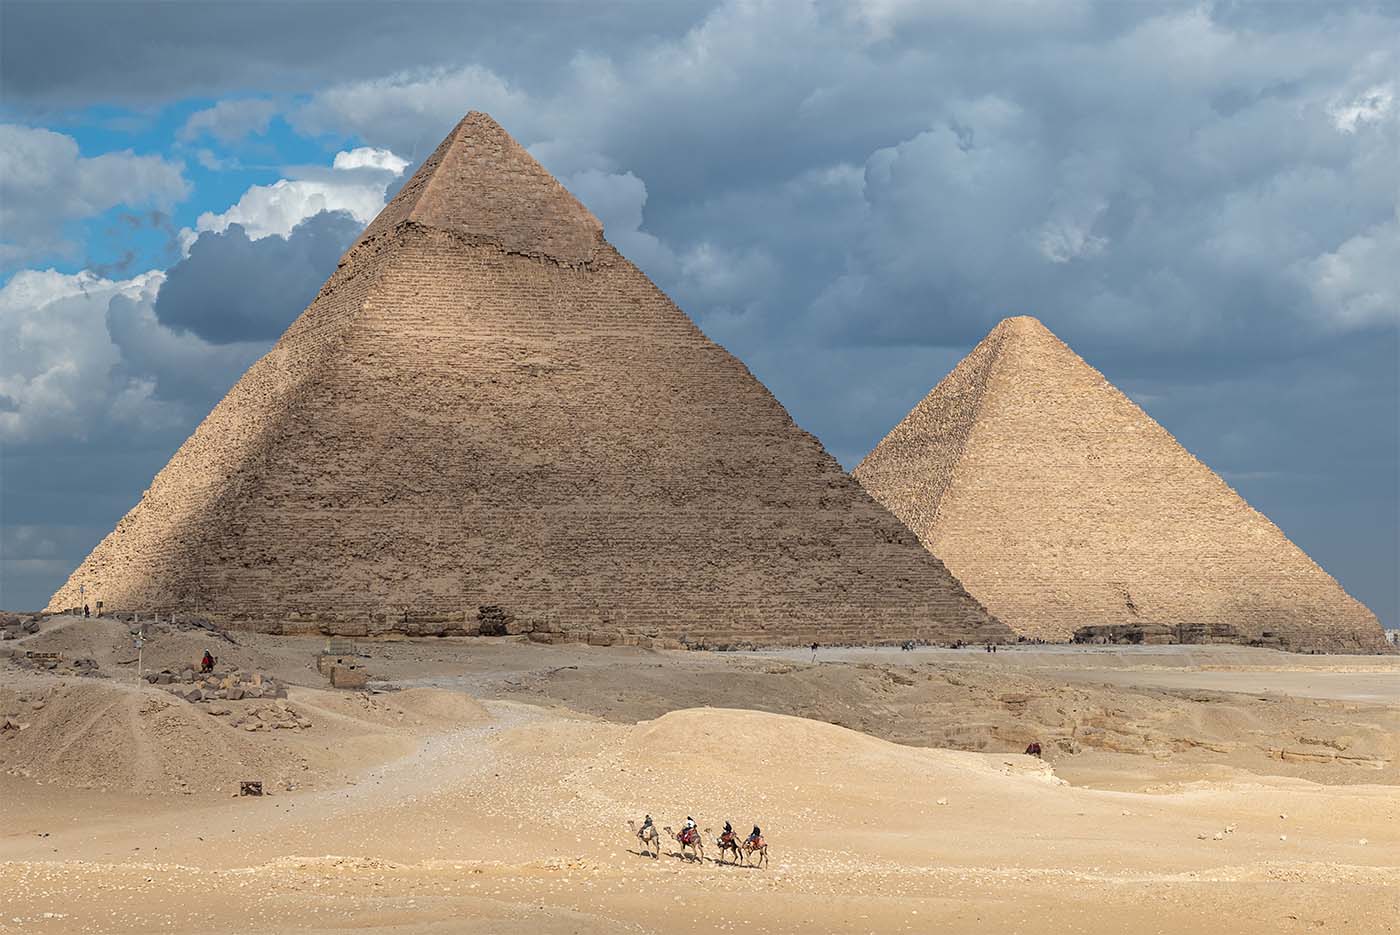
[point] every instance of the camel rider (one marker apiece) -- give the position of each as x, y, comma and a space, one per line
756, 836
728, 836
646, 826
688, 830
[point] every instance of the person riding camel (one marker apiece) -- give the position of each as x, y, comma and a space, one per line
728, 836
646, 823
756, 838
688, 830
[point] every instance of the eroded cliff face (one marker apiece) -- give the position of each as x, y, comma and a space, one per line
1060, 504
488, 412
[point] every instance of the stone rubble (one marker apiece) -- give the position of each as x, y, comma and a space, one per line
225, 683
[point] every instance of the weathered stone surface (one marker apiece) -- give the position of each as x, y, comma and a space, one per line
346, 677
487, 405
1061, 505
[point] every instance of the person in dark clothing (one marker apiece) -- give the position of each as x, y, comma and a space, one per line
207, 663
86, 612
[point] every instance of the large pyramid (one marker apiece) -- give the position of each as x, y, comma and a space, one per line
1060, 504
488, 413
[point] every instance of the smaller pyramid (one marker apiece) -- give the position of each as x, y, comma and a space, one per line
1060, 505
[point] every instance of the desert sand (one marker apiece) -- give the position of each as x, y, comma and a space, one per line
484, 785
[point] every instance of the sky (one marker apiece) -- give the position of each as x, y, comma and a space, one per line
1200, 198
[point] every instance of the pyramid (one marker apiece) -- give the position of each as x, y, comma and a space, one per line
1060, 504
488, 414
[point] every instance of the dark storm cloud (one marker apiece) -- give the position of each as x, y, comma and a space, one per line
231, 288
65, 53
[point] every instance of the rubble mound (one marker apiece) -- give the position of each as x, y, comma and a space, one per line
96, 735
222, 684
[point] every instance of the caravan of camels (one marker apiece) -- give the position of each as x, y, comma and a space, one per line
692, 844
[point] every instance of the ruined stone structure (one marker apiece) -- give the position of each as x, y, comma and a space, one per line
1060, 505
488, 417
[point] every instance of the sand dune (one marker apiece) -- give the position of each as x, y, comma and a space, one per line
429, 810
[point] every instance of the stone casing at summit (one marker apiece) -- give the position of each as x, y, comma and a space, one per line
1060, 504
487, 406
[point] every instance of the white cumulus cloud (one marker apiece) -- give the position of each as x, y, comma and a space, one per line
370, 157
61, 376
45, 182
356, 185
85, 358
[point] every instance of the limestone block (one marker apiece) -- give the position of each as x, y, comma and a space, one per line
346, 677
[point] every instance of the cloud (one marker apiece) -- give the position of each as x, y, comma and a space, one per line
356, 185
1358, 284
412, 110
1372, 106
232, 288
45, 182
274, 210
204, 50
617, 199
229, 121
368, 157
68, 372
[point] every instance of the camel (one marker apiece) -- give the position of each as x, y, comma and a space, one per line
696, 845
726, 846
649, 838
759, 847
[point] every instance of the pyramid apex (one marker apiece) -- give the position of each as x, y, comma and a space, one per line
1023, 324
483, 185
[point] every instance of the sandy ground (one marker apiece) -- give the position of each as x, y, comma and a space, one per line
489, 790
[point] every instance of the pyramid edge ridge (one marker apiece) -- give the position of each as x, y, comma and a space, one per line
259, 448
